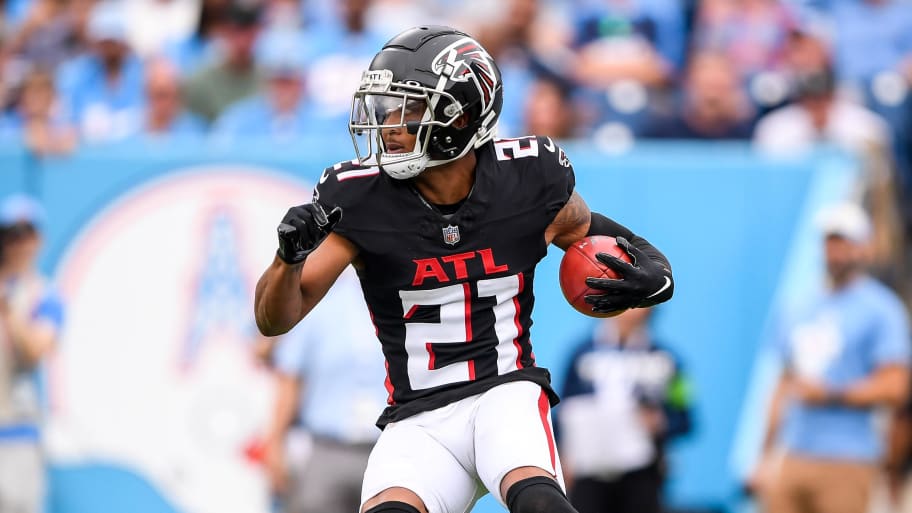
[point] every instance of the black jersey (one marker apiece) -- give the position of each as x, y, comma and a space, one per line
451, 296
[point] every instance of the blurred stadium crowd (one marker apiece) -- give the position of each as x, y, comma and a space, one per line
610, 70
786, 73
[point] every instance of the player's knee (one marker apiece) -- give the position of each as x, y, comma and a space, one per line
393, 507
537, 494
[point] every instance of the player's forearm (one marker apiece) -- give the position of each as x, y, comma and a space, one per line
601, 225
887, 386
278, 303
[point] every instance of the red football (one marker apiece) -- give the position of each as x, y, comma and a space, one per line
579, 263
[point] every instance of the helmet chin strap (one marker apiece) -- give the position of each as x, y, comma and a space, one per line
403, 166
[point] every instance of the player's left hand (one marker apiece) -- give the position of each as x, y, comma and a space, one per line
639, 281
303, 229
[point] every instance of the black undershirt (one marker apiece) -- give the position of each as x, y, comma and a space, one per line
448, 210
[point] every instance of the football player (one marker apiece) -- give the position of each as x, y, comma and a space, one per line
445, 225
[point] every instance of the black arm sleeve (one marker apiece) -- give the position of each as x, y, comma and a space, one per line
601, 225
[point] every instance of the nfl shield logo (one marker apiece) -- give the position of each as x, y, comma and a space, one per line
451, 235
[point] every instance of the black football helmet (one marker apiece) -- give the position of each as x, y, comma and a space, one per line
437, 83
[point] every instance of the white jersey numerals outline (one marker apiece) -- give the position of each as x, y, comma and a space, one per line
455, 326
516, 150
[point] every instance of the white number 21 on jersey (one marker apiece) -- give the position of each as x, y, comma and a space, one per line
455, 327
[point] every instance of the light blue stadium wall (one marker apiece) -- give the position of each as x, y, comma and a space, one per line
725, 218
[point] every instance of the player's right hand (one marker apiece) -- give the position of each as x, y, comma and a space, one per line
303, 229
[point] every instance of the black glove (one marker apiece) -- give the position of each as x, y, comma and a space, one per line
640, 282
303, 229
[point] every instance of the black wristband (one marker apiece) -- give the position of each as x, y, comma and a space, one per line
601, 225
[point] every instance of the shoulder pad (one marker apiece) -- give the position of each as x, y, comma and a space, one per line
541, 150
347, 170
553, 153
344, 179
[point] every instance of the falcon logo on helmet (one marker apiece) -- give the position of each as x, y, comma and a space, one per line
465, 60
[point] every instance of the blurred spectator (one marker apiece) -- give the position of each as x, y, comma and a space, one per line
198, 49
844, 356
627, 52
102, 90
328, 372
819, 114
164, 113
319, 12
629, 40
7, 78
49, 35
621, 382
752, 33
283, 15
389, 17
30, 320
13, 12
872, 36
153, 24
36, 119
805, 51
873, 59
5, 23
549, 110
234, 76
712, 105
339, 53
282, 111
524, 48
